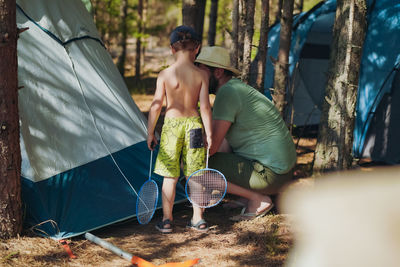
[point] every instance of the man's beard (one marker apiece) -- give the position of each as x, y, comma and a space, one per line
213, 84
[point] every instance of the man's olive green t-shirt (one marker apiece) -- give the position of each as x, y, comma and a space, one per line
258, 131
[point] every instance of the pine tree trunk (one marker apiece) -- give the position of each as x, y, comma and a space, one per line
282, 65
10, 154
139, 40
235, 34
213, 22
278, 12
335, 138
193, 14
263, 45
144, 29
124, 36
248, 39
107, 32
299, 6
241, 32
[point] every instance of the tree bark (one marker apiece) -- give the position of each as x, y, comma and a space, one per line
235, 34
241, 32
248, 39
193, 14
213, 22
335, 138
299, 6
263, 45
278, 12
139, 40
144, 30
10, 154
282, 65
124, 36
109, 21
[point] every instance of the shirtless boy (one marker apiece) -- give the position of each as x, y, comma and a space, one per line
183, 84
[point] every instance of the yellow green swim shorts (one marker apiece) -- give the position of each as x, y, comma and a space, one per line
181, 138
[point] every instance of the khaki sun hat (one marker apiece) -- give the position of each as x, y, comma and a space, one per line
216, 56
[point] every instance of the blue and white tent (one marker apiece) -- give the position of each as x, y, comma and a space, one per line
378, 104
82, 136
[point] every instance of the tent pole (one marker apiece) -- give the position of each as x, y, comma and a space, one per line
134, 259
109, 246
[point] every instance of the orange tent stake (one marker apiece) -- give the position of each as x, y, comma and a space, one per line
65, 245
134, 259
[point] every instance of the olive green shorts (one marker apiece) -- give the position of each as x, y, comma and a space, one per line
181, 139
249, 174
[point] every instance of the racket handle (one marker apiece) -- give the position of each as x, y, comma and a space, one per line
109, 246
151, 162
208, 153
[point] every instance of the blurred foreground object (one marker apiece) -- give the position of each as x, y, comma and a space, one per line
346, 219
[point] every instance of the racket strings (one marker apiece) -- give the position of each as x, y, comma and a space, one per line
206, 188
148, 200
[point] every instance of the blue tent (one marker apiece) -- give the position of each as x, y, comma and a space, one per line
378, 115
83, 139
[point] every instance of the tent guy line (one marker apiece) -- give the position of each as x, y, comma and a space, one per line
98, 131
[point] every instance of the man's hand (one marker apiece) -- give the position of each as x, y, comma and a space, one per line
220, 128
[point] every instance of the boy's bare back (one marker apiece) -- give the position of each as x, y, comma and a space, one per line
182, 83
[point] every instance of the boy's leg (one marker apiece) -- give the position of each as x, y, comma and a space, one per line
197, 214
168, 197
193, 159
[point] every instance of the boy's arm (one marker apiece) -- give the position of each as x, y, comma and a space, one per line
205, 109
155, 110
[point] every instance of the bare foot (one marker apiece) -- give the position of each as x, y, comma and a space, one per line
258, 205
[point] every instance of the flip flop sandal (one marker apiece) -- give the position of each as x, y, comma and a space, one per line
161, 226
247, 216
198, 225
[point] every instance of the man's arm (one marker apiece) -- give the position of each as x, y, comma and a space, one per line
220, 128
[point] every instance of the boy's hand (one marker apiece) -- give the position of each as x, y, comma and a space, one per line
151, 141
209, 142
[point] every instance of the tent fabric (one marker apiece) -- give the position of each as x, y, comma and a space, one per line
384, 131
309, 62
83, 139
381, 53
305, 113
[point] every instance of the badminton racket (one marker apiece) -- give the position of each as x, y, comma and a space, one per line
205, 188
147, 198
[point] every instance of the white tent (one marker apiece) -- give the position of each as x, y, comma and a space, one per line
83, 139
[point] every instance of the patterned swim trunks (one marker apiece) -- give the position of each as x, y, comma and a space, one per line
181, 138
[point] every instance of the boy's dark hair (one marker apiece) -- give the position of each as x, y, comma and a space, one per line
184, 38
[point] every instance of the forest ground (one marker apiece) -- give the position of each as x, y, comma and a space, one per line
262, 242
